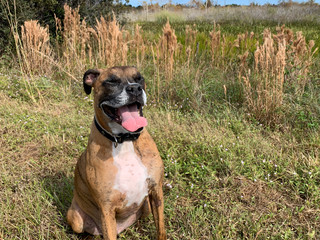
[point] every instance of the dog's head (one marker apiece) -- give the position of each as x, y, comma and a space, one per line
119, 96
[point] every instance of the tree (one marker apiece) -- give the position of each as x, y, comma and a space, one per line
196, 3
44, 11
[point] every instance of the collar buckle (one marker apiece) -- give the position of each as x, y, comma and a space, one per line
115, 142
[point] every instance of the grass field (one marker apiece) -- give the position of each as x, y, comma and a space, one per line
228, 174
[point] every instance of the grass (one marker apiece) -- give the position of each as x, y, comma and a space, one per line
227, 174
244, 14
225, 177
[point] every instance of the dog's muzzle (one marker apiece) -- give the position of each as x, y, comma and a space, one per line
126, 108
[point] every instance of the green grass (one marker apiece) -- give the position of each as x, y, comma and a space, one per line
227, 176
224, 176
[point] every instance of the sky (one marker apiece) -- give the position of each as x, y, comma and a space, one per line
219, 2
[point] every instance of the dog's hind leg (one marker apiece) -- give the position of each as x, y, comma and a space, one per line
80, 221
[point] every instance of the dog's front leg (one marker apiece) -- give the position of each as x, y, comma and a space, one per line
109, 224
157, 208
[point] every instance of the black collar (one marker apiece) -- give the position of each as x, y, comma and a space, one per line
117, 138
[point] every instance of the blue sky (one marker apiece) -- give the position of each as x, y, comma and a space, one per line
220, 2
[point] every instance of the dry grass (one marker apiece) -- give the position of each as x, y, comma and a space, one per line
263, 85
215, 41
191, 36
164, 53
105, 44
263, 88
32, 48
112, 44
300, 58
76, 42
282, 58
139, 46
36, 48
166, 49
190, 45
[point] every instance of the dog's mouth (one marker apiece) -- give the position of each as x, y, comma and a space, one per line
128, 116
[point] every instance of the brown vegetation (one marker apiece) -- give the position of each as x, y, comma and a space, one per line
107, 44
263, 85
36, 48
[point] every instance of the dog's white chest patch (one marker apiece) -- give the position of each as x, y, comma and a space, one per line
131, 178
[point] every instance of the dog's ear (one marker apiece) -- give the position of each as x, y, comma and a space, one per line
89, 78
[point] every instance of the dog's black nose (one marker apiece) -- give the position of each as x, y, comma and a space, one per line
134, 89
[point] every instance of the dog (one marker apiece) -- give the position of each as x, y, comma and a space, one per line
119, 177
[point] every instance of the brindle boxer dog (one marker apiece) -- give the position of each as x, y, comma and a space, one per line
118, 178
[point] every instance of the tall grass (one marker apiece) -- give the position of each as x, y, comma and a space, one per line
164, 58
263, 69
264, 84
36, 48
112, 43
263, 87
216, 43
75, 40
138, 46
300, 60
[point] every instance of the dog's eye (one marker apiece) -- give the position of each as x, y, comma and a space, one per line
112, 80
139, 79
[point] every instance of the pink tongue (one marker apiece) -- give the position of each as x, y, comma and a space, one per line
131, 119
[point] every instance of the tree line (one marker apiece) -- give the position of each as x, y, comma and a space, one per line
45, 10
